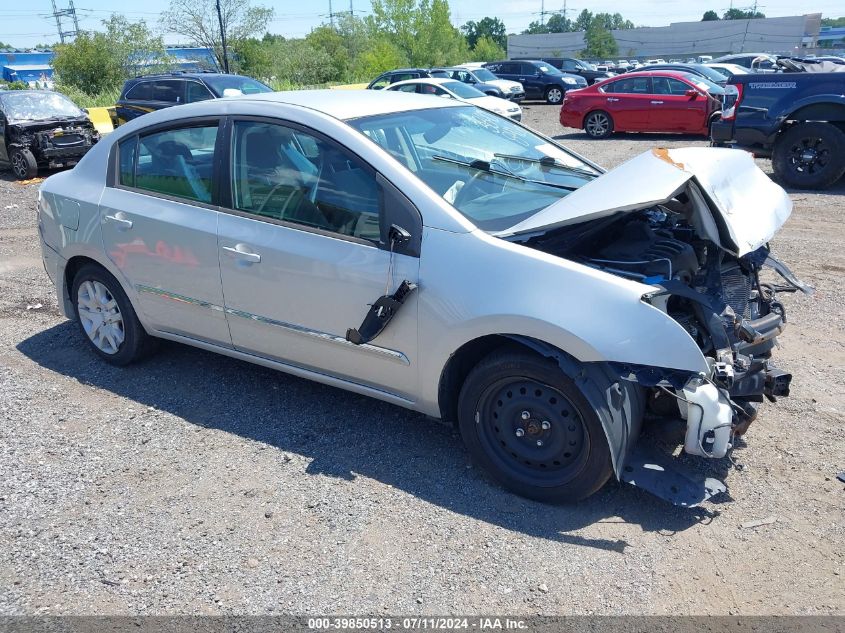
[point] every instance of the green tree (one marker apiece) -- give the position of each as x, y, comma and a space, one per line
584, 20
710, 16
834, 22
558, 23
382, 55
197, 20
98, 61
600, 42
329, 40
492, 28
487, 50
739, 14
535, 28
420, 30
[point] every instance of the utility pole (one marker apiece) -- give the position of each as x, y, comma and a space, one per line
543, 12
331, 14
223, 38
351, 9
69, 12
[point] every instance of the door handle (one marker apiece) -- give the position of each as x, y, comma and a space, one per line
609, 99
117, 219
238, 252
656, 102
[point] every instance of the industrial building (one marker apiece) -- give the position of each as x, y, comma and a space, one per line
791, 35
35, 67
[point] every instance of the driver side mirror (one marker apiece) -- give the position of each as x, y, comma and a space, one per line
691, 93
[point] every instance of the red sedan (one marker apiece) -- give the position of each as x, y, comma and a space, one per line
656, 101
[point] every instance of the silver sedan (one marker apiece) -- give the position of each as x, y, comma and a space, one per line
443, 258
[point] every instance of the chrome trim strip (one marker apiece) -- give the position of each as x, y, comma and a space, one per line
290, 327
177, 297
324, 336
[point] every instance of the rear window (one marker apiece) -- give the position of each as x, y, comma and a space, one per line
233, 85
141, 91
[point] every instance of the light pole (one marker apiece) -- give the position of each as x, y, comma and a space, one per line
223, 38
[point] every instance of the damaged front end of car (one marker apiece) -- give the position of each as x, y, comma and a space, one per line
53, 143
696, 231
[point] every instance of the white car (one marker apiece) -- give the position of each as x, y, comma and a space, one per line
454, 89
728, 70
442, 258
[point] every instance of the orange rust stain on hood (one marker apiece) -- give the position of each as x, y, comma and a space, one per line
663, 154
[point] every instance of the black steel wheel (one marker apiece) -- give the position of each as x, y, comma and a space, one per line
24, 165
532, 429
810, 155
598, 124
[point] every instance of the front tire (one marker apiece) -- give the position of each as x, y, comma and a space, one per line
598, 124
529, 426
106, 317
810, 155
554, 95
24, 165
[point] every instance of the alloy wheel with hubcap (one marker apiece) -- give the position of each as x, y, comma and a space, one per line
100, 316
23, 164
598, 125
554, 95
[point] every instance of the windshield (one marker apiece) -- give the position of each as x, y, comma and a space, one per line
549, 70
482, 74
704, 84
233, 85
493, 171
462, 90
710, 73
37, 106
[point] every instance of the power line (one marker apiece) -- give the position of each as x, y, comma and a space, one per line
69, 12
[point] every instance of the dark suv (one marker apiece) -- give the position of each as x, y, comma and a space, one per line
578, 67
401, 74
154, 92
539, 79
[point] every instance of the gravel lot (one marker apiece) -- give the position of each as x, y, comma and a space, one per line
194, 483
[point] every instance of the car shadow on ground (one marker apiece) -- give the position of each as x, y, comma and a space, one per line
346, 435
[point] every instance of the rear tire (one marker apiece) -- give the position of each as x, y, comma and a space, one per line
554, 95
598, 124
106, 317
529, 426
23, 163
809, 155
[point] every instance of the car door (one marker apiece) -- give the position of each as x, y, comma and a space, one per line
674, 110
628, 101
4, 156
530, 81
159, 228
304, 253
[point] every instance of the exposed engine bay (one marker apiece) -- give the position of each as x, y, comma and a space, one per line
58, 143
717, 297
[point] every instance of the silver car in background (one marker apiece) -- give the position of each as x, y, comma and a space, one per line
443, 258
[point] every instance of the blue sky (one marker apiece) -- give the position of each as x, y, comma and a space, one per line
29, 23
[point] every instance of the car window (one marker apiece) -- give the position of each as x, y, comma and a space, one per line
528, 69
195, 91
141, 92
631, 85
569, 64
407, 88
169, 91
381, 83
284, 174
177, 162
402, 77
126, 154
669, 86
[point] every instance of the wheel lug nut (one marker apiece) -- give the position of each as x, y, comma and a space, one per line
520, 432
546, 426
539, 442
525, 415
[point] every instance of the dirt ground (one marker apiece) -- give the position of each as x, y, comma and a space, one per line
193, 483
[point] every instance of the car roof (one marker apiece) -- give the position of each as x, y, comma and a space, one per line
189, 75
347, 104
677, 74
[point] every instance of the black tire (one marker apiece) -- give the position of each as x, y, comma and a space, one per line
136, 343
558, 453
554, 95
598, 124
23, 163
809, 155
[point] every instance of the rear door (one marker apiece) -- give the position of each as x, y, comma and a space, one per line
530, 81
673, 110
303, 254
159, 228
628, 101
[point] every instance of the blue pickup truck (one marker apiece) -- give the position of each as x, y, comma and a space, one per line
797, 118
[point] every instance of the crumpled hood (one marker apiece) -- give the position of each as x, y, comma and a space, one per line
741, 208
